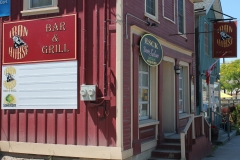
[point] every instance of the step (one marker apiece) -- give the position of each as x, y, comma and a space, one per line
162, 153
155, 158
170, 146
175, 138
172, 140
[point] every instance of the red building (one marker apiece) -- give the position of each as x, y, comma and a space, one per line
113, 77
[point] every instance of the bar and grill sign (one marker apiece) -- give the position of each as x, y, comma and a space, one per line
4, 8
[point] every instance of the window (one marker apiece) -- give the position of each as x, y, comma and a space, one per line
151, 9
181, 14
144, 90
206, 38
184, 89
40, 3
36, 7
181, 92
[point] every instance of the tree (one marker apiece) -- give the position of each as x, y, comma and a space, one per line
230, 76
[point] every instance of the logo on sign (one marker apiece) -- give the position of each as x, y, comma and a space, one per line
10, 81
226, 39
19, 49
9, 101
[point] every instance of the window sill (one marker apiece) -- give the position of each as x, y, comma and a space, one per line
153, 18
184, 115
183, 35
148, 122
40, 11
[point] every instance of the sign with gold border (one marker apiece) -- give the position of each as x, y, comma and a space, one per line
40, 40
225, 39
151, 50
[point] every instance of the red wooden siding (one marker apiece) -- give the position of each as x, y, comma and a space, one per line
164, 29
147, 133
96, 49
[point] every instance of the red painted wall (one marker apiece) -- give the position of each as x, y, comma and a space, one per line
164, 29
96, 46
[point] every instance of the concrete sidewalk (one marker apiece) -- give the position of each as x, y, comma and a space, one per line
228, 151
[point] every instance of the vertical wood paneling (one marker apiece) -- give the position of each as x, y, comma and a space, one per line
70, 127
22, 126
50, 127
81, 126
81, 112
4, 125
12, 125
61, 127
135, 142
40, 116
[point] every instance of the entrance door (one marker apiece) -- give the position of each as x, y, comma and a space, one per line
168, 98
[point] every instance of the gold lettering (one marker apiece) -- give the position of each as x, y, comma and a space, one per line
44, 49
50, 49
20, 28
65, 48
62, 26
48, 27
55, 27
10, 51
25, 31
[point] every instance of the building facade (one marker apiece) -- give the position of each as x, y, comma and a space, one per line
113, 77
206, 14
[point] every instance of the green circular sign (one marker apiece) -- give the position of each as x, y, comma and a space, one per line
151, 50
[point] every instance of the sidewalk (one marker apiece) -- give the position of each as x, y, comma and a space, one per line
228, 151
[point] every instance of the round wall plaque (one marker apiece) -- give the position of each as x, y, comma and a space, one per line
151, 50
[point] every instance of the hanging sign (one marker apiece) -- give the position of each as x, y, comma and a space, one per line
4, 8
40, 40
224, 39
151, 50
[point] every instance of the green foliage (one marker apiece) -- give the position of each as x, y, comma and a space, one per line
230, 76
236, 118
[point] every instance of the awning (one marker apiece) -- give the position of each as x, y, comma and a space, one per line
223, 95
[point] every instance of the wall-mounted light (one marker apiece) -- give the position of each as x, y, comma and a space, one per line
177, 69
147, 22
218, 78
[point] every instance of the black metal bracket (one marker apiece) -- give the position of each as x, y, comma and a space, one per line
217, 20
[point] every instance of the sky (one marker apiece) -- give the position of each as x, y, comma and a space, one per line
232, 8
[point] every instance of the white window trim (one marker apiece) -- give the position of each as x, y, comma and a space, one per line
148, 116
185, 65
153, 98
174, 19
207, 37
154, 18
36, 11
184, 20
181, 76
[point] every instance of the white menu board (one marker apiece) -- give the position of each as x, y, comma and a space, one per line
50, 85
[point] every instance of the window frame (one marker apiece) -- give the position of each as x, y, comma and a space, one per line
183, 17
186, 89
206, 38
181, 89
29, 5
153, 17
140, 86
27, 11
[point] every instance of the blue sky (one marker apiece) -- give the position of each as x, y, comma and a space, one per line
232, 8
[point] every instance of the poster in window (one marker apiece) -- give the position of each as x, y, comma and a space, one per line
5, 8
